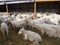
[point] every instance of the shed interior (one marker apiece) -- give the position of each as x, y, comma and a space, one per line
52, 7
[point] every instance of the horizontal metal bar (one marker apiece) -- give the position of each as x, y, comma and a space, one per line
15, 2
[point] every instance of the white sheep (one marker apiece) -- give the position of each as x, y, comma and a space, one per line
57, 28
48, 21
50, 29
13, 16
30, 35
2, 17
53, 18
43, 27
4, 29
17, 23
19, 16
5, 18
51, 32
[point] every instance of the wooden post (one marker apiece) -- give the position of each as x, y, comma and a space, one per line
35, 15
7, 9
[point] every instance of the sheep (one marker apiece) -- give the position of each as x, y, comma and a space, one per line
5, 18
39, 15
2, 17
54, 20
20, 16
50, 29
4, 29
57, 28
18, 23
12, 17
51, 32
30, 22
48, 21
30, 35
27, 15
43, 27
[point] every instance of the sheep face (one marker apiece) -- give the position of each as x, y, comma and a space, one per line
21, 31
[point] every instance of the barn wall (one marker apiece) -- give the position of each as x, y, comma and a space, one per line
48, 7
21, 7
2, 8
28, 7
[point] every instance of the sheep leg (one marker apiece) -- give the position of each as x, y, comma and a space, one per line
13, 26
42, 31
3, 32
7, 31
32, 44
35, 42
25, 36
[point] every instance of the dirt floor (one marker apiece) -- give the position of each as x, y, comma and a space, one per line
14, 39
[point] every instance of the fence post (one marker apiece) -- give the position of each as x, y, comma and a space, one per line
35, 14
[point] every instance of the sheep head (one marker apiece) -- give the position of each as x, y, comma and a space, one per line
22, 30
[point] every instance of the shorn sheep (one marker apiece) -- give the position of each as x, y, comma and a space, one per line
18, 23
4, 29
43, 27
49, 29
30, 35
